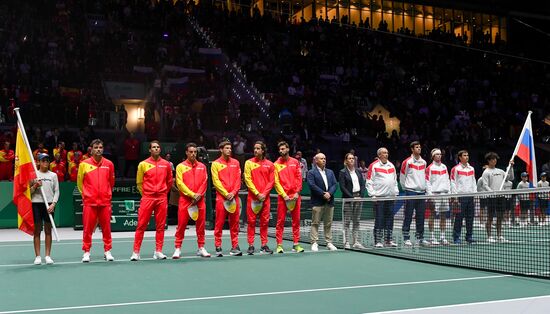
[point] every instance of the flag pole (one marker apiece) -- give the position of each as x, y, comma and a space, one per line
516, 149
26, 140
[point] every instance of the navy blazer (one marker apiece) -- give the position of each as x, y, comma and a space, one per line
346, 185
317, 186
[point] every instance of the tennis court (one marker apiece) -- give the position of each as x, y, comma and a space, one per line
322, 282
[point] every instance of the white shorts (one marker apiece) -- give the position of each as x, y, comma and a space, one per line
441, 204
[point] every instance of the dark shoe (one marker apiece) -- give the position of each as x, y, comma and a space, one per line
236, 251
266, 250
471, 241
219, 251
250, 250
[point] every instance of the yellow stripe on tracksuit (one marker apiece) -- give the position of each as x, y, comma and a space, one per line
180, 170
216, 167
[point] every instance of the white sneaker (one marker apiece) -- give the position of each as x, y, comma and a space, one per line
49, 260
38, 260
491, 240
358, 245
177, 253
86, 257
314, 247
379, 244
444, 241
408, 243
501, 239
391, 244
434, 241
159, 255
108, 256
202, 252
331, 247
423, 243
347, 246
135, 257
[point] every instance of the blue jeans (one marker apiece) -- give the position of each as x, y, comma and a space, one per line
419, 206
466, 211
383, 221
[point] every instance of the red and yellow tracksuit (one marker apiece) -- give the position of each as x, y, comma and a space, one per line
62, 153
288, 182
59, 168
191, 179
153, 180
6, 164
95, 182
259, 178
226, 177
73, 159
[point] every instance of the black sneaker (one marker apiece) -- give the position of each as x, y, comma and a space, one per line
471, 241
236, 251
219, 251
250, 250
266, 250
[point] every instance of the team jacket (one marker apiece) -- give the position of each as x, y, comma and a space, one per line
413, 174
62, 153
59, 169
191, 178
288, 176
437, 179
382, 179
463, 179
259, 176
6, 155
96, 181
226, 176
154, 178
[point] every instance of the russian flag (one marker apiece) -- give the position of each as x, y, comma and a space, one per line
525, 150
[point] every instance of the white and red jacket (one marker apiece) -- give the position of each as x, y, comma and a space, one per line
382, 179
437, 179
413, 174
463, 179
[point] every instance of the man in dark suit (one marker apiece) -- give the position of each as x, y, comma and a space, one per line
352, 185
322, 183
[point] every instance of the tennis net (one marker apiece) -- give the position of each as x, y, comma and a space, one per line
506, 231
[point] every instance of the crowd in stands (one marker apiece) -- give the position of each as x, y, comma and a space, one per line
325, 77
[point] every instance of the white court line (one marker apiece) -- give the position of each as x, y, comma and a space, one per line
100, 260
247, 295
461, 305
148, 239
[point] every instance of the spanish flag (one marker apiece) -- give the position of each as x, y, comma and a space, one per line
24, 172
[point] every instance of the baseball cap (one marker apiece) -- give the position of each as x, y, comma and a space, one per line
524, 174
42, 156
543, 174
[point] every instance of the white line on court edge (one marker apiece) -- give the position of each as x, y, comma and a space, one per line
79, 242
234, 296
100, 260
460, 305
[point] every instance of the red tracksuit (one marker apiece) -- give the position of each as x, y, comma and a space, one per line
95, 182
226, 177
153, 180
62, 153
6, 164
259, 177
59, 169
73, 159
191, 179
288, 181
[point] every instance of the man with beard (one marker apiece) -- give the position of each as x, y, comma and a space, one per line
288, 184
